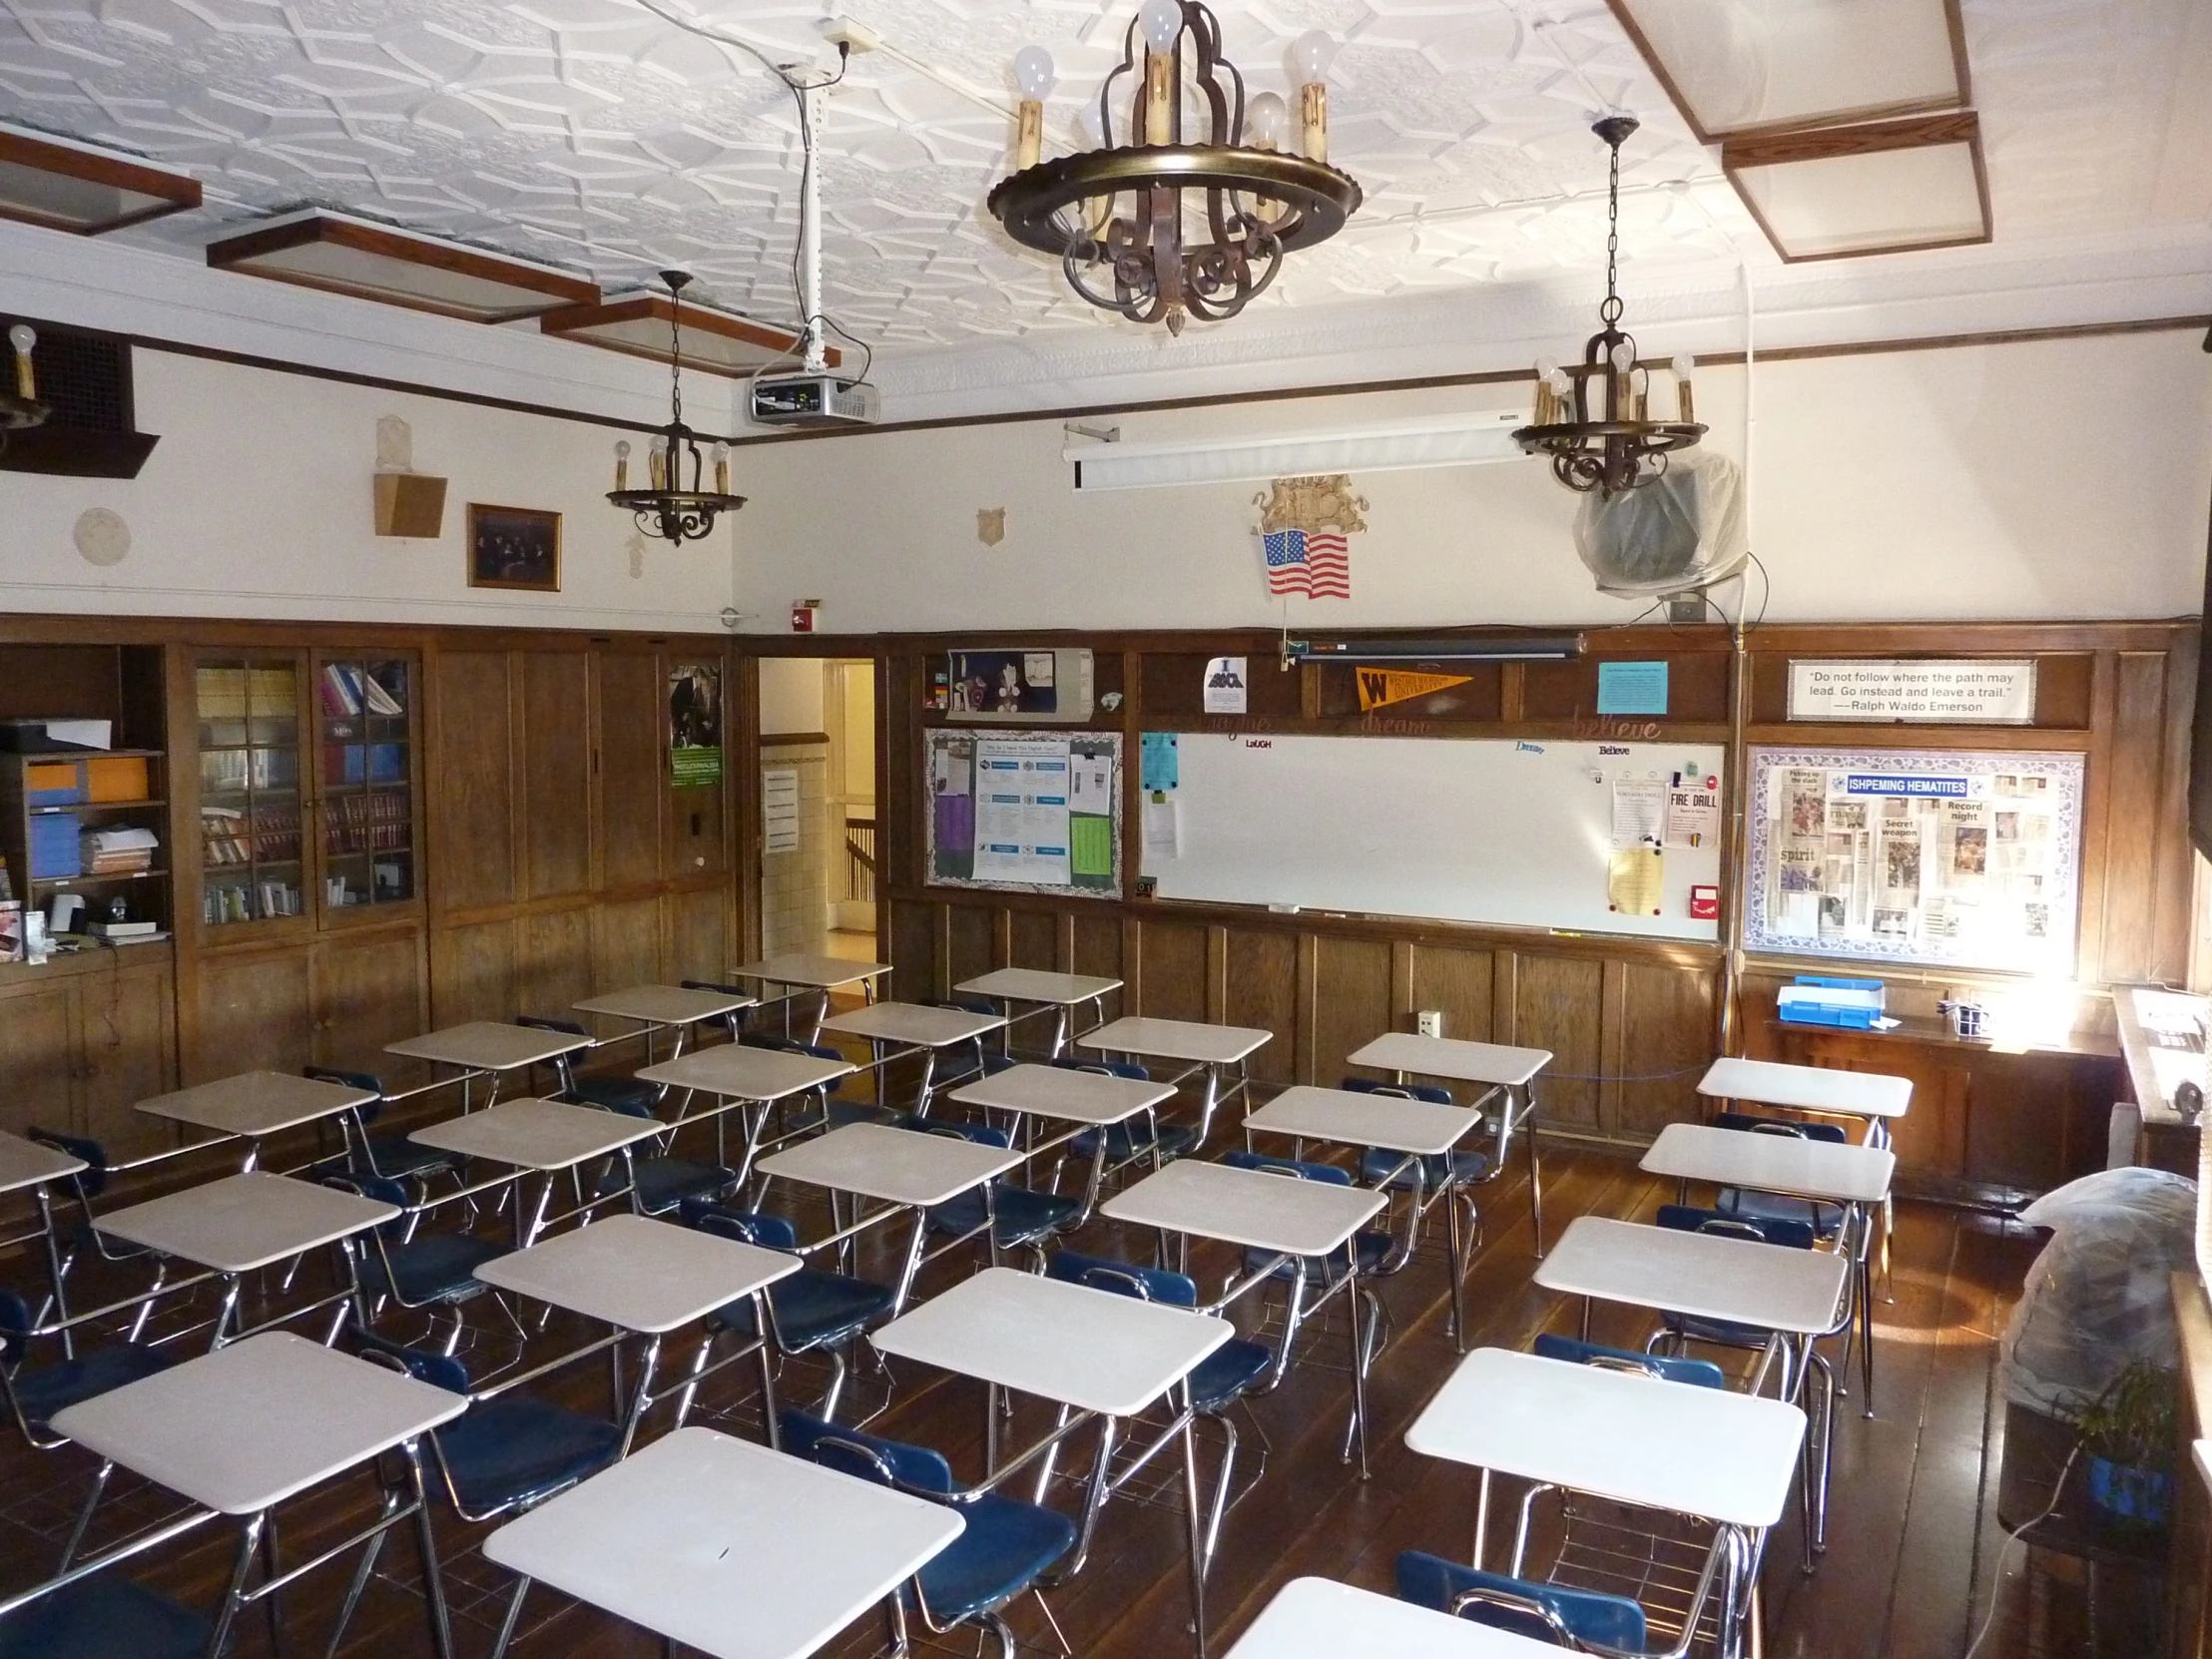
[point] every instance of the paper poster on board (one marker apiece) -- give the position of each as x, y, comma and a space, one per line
1021, 812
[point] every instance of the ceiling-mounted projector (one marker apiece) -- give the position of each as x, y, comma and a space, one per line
813, 400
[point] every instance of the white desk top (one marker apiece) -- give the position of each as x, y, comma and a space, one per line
899, 1166
1859, 1094
2201, 1454
1354, 1119
537, 1134
911, 1022
27, 1164
725, 1546
663, 1004
643, 1274
1037, 985
820, 972
1070, 1343
251, 1425
1317, 1618
740, 1072
1176, 1039
1071, 1096
1247, 1207
1702, 1275
257, 1103
488, 1046
1713, 1452
1454, 1057
243, 1222
1773, 1163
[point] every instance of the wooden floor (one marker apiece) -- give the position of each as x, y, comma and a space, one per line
1913, 1535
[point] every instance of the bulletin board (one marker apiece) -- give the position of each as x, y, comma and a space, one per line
1966, 860
1021, 812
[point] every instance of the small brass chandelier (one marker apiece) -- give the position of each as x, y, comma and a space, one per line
21, 409
669, 510
1158, 229
1594, 417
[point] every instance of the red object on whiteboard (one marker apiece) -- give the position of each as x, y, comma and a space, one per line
802, 619
1705, 903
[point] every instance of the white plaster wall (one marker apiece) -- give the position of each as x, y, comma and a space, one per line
257, 504
791, 694
2054, 479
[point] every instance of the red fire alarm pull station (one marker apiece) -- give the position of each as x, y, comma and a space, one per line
802, 616
1705, 904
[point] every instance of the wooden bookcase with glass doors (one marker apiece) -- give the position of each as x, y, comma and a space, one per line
307, 800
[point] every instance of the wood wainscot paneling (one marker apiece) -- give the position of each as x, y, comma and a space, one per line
556, 754
970, 941
1350, 1002
1098, 940
1171, 981
697, 925
1455, 983
626, 943
473, 972
371, 988
632, 710
554, 968
255, 1012
1261, 989
1557, 1004
472, 790
86, 1038
1034, 939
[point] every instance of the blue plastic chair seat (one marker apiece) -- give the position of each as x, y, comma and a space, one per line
515, 1450
1455, 1168
43, 1391
1005, 1546
616, 1094
104, 1618
1131, 1137
1021, 1216
1589, 1615
396, 1156
664, 1182
1822, 1219
1701, 1374
1227, 1372
432, 1266
812, 1310
1373, 1249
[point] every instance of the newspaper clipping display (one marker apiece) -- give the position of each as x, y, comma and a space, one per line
1943, 858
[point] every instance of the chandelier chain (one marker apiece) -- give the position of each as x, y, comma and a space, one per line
1611, 312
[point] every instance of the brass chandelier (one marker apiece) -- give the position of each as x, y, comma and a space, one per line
1155, 226
1593, 418
668, 509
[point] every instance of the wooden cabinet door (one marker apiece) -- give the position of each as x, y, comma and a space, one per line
257, 1012
630, 757
368, 991
38, 1056
126, 1028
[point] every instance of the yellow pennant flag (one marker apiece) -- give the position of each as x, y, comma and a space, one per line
1381, 686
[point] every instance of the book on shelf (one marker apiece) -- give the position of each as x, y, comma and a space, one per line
341, 693
378, 697
123, 929
272, 692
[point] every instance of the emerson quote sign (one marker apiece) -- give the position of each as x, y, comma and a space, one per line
1961, 692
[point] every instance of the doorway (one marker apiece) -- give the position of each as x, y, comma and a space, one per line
817, 832
849, 716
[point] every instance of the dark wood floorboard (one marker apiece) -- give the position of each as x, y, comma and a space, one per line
1914, 1542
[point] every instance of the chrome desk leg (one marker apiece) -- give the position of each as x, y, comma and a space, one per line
1193, 1511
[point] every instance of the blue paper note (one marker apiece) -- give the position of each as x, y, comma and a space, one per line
1632, 687
1160, 765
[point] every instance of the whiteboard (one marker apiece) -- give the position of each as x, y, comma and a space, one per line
1490, 830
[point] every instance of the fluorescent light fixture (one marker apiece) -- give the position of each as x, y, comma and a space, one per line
1448, 441
1510, 648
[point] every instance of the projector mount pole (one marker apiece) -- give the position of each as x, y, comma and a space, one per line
809, 233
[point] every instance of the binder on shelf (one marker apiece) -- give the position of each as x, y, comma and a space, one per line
54, 849
1821, 999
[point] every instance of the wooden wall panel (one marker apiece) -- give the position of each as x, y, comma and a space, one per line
472, 859
914, 943
1351, 1001
2123, 947
127, 1032
1172, 957
370, 990
1098, 938
1261, 989
472, 973
256, 1012
42, 1057
1555, 1006
1456, 984
696, 929
1666, 1026
970, 930
554, 970
556, 769
625, 944
1034, 939
631, 716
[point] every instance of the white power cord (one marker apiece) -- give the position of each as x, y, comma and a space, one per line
1996, 1587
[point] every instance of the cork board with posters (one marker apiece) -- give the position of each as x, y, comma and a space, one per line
1915, 856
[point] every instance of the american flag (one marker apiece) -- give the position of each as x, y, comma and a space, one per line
1316, 563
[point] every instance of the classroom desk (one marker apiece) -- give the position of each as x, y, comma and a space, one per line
240, 1430
801, 973
248, 1220
1498, 1067
1726, 1458
1080, 1097
724, 1546
1273, 1214
1319, 1619
486, 1047
1202, 1050
547, 1136
1092, 1352
1042, 990
905, 1027
740, 1076
649, 1277
655, 1008
901, 1169
1418, 1128
1825, 1091
255, 1105
26, 1166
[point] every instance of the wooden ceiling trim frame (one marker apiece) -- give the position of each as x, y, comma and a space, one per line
1959, 96
32, 165
1748, 160
744, 344
393, 266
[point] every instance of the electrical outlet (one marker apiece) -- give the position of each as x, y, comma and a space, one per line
1429, 1022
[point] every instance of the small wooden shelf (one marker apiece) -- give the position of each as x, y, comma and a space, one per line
87, 881
97, 807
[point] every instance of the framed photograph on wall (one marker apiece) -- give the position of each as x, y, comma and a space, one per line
514, 547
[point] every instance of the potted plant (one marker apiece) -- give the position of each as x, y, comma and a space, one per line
2127, 1435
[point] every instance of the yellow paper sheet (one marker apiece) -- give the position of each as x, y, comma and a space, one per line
1633, 881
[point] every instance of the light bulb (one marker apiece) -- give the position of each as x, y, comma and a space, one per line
23, 336
1560, 381
1033, 73
1161, 21
1267, 121
1624, 356
660, 445
1546, 367
1089, 125
1640, 381
1682, 367
622, 449
1310, 56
